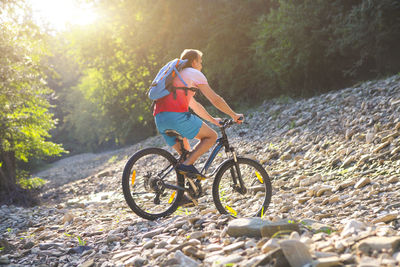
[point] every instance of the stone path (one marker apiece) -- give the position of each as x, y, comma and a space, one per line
335, 165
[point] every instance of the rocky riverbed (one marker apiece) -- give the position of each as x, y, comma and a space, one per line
334, 162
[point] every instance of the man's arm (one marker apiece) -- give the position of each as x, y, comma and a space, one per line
202, 112
219, 102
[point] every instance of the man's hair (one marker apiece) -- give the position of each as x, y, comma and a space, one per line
190, 54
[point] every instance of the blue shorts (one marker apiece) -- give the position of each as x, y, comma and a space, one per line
185, 123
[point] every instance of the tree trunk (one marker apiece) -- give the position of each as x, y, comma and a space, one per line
10, 192
7, 171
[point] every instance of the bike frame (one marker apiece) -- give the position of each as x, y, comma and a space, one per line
211, 157
220, 143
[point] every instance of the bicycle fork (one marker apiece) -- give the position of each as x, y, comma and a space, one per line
237, 175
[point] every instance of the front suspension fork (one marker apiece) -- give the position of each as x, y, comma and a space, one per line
237, 175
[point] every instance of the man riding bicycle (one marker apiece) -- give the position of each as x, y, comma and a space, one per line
172, 112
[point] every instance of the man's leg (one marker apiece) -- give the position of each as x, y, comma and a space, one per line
207, 137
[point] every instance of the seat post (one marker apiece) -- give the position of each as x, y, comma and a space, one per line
179, 139
185, 153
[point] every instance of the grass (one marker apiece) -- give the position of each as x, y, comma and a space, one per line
182, 211
222, 194
325, 230
283, 99
275, 115
113, 159
281, 233
32, 183
81, 242
272, 146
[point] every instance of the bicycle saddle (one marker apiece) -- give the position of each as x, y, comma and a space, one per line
173, 133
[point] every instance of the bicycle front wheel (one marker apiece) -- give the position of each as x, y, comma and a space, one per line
152, 187
248, 200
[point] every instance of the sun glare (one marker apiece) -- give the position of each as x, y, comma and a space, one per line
60, 13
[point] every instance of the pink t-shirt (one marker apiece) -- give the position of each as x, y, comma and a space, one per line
193, 78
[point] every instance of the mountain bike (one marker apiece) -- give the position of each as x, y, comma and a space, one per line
153, 188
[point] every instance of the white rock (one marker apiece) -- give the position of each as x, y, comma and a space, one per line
352, 227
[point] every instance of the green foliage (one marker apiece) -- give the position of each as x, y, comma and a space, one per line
326, 230
180, 211
291, 42
113, 159
81, 241
120, 56
253, 49
25, 120
365, 35
228, 63
310, 46
281, 233
32, 183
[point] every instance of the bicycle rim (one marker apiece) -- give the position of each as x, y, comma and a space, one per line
226, 189
147, 180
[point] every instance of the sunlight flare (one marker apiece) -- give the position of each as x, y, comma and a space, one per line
58, 14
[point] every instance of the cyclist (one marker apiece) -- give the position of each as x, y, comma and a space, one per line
172, 112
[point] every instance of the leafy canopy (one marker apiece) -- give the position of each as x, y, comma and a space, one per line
25, 120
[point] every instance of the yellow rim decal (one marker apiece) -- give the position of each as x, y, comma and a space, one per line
133, 177
259, 177
172, 197
231, 211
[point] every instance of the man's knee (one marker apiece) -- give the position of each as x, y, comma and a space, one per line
210, 136
213, 136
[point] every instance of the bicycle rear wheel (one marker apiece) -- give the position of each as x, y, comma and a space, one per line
152, 187
228, 196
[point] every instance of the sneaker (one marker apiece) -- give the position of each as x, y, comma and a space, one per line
190, 171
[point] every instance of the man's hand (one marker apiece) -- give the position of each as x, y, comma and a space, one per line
238, 118
217, 121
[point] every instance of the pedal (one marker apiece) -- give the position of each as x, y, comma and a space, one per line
200, 177
193, 175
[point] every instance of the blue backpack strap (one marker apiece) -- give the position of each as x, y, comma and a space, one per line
180, 77
186, 88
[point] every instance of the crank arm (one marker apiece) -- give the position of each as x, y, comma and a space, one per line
175, 187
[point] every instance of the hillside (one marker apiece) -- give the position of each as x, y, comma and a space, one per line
334, 161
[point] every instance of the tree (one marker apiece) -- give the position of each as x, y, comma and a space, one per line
311, 46
253, 49
120, 55
24, 109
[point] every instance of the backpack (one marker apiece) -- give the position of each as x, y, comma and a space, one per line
162, 83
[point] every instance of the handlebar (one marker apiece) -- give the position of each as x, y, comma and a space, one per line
226, 123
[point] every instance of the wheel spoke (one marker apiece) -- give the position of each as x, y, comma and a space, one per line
229, 196
151, 185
